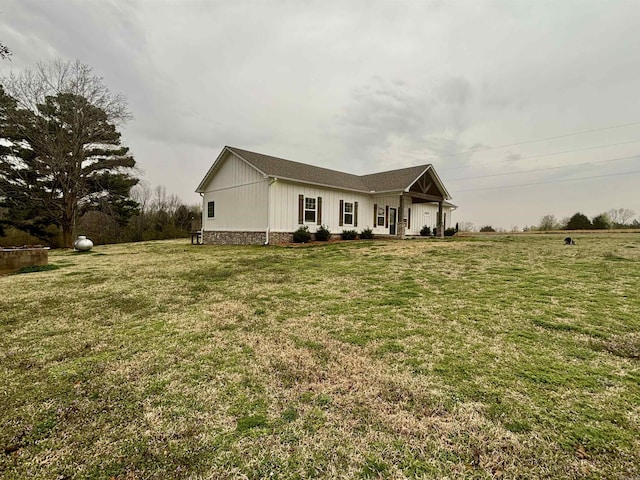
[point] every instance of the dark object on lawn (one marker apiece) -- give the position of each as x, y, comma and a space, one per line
569, 241
12, 449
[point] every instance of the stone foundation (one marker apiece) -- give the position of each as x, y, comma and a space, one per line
280, 237
13, 259
233, 238
258, 238
245, 238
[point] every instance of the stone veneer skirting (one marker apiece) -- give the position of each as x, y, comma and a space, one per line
245, 238
233, 238
258, 238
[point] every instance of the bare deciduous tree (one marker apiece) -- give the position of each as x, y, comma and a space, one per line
5, 53
466, 227
31, 87
548, 223
621, 216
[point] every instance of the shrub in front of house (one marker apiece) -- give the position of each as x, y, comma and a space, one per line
349, 234
302, 235
366, 234
426, 231
449, 232
323, 234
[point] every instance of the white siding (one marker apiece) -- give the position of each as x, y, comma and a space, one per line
240, 195
392, 201
426, 214
284, 207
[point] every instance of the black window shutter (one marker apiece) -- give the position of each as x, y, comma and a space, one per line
300, 209
386, 217
375, 214
341, 213
409, 218
319, 216
355, 214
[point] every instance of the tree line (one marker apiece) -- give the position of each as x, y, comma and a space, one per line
63, 168
620, 218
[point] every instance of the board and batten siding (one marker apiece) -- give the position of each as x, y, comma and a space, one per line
417, 215
240, 194
426, 214
284, 210
387, 202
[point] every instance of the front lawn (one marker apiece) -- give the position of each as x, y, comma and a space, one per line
480, 357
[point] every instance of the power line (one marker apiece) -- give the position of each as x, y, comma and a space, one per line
583, 132
543, 169
563, 136
550, 181
551, 154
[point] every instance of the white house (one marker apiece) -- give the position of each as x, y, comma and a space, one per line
251, 198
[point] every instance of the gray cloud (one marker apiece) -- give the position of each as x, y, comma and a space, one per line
426, 119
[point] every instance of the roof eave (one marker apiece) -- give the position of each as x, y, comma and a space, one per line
396, 191
216, 164
207, 177
248, 162
324, 185
440, 184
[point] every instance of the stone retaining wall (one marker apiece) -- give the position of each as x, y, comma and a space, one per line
13, 259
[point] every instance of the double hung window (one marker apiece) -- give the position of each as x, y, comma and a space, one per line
381, 217
348, 213
310, 210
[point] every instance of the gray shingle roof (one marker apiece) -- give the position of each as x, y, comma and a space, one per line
392, 180
281, 168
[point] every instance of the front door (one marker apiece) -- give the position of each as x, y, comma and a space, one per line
392, 221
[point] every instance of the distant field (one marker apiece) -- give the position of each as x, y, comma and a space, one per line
479, 357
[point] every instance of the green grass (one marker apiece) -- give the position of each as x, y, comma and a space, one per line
36, 268
480, 357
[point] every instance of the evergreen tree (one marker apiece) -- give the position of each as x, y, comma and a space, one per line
601, 222
579, 221
63, 159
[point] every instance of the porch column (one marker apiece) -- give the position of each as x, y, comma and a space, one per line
440, 225
401, 225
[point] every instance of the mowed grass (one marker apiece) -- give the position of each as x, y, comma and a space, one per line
489, 357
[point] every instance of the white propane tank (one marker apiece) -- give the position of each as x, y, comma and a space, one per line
83, 244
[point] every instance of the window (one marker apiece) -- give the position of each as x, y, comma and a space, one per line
348, 213
309, 210
381, 217
211, 210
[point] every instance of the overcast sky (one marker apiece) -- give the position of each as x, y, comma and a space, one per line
366, 86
